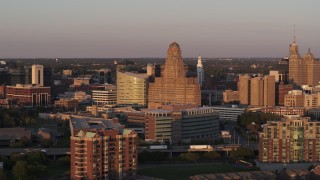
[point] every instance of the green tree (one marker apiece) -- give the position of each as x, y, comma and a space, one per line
158, 156
15, 157
3, 175
241, 152
211, 155
36, 170
64, 161
35, 157
7, 163
19, 171
194, 157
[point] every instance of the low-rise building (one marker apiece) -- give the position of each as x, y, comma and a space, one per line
79, 81
12, 135
229, 113
294, 98
29, 95
107, 97
261, 175
280, 110
68, 104
230, 96
181, 125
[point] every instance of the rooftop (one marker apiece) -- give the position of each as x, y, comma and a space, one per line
141, 76
81, 122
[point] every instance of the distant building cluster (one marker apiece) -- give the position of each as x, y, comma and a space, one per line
108, 108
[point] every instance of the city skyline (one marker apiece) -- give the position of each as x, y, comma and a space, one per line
100, 29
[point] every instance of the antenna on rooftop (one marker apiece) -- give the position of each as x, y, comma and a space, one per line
294, 33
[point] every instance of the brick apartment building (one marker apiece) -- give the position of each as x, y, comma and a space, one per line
102, 149
294, 139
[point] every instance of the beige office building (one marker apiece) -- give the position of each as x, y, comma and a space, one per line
294, 98
269, 91
256, 94
244, 89
310, 101
37, 75
257, 91
230, 96
106, 97
132, 88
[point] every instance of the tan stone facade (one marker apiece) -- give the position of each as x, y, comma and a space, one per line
174, 87
303, 71
230, 96
257, 91
269, 86
244, 89
294, 98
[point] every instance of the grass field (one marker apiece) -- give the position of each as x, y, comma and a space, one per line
180, 171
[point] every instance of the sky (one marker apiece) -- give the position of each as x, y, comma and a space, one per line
145, 28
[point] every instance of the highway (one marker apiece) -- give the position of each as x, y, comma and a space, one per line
48, 151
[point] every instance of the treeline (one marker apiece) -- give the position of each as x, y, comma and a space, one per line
31, 165
15, 117
258, 118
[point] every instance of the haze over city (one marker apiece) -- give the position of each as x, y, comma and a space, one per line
130, 29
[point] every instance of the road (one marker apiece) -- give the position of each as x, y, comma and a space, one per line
238, 139
48, 151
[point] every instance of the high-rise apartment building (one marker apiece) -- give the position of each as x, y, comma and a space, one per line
256, 95
102, 149
303, 71
294, 139
174, 86
269, 91
200, 71
37, 75
257, 91
132, 88
244, 89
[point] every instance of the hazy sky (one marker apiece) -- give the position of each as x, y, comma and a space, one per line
145, 28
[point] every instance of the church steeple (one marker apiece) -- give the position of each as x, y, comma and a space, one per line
294, 49
199, 62
200, 71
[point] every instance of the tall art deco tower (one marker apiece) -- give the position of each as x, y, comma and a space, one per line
303, 70
174, 87
200, 71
